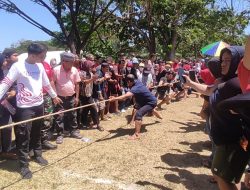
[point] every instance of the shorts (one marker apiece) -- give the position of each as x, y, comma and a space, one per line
143, 110
229, 162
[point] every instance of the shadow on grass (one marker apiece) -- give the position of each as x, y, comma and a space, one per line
178, 171
189, 180
195, 113
126, 131
184, 160
9, 165
191, 126
198, 146
147, 183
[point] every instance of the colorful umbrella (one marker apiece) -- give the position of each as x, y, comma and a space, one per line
214, 48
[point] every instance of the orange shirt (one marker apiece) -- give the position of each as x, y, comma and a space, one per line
244, 77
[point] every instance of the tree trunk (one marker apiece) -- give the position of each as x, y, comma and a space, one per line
171, 53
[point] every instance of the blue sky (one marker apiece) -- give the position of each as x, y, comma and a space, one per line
14, 29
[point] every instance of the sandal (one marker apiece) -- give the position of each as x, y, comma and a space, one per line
59, 140
94, 127
100, 128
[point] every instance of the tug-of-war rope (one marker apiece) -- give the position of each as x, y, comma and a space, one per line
64, 111
55, 113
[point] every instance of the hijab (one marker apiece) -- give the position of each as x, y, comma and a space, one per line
237, 53
1, 64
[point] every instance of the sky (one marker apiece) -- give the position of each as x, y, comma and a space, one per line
15, 29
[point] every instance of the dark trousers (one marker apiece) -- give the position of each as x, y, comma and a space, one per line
6, 132
47, 121
93, 112
28, 135
65, 121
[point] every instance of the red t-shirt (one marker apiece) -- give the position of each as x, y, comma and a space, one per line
48, 71
175, 66
207, 77
186, 67
244, 77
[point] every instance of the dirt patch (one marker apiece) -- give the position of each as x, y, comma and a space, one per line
168, 156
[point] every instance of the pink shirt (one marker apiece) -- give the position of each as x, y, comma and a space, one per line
65, 81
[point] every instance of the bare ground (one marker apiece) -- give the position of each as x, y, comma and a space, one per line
168, 156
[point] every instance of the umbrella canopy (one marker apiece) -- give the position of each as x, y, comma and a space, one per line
214, 49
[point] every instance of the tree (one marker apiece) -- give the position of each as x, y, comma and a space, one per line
77, 19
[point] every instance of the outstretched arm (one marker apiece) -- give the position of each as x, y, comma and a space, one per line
122, 97
246, 59
201, 88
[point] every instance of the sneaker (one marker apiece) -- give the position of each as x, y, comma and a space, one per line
59, 140
75, 134
41, 161
123, 110
26, 173
48, 146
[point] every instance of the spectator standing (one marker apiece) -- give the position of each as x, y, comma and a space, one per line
48, 108
86, 91
31, 79
66, 82
9, 57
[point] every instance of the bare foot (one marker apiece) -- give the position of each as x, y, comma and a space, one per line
134, 137
132, 123
157, 114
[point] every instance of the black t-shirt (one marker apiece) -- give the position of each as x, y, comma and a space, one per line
142, 94
225, 127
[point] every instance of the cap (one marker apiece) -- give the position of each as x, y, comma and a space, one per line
65, 56
105, 64
141, 65
8, 52
129, 64
135, 60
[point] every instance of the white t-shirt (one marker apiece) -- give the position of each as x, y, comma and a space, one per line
31, 80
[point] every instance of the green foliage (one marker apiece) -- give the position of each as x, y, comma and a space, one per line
21, 46
165, 27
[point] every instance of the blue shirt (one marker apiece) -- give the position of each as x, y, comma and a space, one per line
142, 94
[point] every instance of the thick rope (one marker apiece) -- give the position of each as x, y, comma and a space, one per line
64, 111
52, 114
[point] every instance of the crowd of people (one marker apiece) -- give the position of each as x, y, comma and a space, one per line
34, 88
